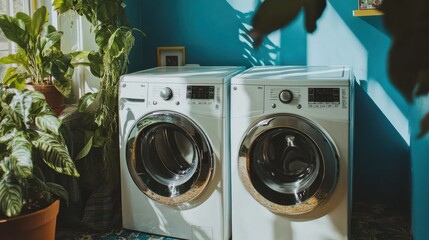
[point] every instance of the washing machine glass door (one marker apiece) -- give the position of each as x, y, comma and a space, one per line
288, 164
169, 158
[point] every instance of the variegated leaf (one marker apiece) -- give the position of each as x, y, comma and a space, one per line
11, 200
55, 154
8, 131
9, 119
21, 104
48, 123
86, 100
20, 156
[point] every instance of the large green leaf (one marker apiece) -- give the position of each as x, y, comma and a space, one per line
86, 101
99, 138
96, 64
11, 199
61, 84
18, 58
102, 36
62, 70
38, 21
117, 42
20, 156
13, 31
9, 118
62, 6
8, 131
55, 154
48, 123
88, 136
107, 11
24, 21
51, 39
13, 78
21, 105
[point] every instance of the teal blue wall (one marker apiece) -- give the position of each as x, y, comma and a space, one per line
212, 32
420, 176
381, 138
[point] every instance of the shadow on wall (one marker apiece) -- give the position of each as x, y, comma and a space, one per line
213, 33
267, 54
381, 169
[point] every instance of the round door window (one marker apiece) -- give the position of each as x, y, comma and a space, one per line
169, 158
288, 164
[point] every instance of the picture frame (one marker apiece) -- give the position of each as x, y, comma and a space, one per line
369, 4
171, 56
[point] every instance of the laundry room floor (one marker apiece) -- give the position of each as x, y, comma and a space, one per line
374, 222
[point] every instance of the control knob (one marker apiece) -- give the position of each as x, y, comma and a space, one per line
286, 96
166, 93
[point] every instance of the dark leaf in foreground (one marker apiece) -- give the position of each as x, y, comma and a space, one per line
424, 126
272, 15
313, 9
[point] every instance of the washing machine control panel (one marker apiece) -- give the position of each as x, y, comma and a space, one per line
330, 100
323, 97
202, 98
200, 92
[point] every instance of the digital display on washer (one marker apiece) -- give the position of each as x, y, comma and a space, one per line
200, 92
329, 95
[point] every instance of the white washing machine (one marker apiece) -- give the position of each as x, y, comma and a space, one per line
290, 155
174, 151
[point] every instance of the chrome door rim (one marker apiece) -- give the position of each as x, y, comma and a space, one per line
202, 173
329, 158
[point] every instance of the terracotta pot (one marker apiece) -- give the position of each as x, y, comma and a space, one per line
53, 97
38, 225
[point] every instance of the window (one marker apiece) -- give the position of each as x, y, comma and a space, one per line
10, 7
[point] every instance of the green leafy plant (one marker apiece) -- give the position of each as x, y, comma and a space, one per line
99, 110
115, 39
31, 141
39, 58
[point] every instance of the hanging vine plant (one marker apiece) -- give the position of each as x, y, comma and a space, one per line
114, 39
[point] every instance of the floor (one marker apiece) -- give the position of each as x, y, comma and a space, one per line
374, 222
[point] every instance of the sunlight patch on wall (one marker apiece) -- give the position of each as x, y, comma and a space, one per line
333, 43
389, 109
269, 52
244, 6
339, 46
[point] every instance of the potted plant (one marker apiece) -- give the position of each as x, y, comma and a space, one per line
32, 147
39, 59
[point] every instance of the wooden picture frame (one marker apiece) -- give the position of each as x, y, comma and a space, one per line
171, 56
